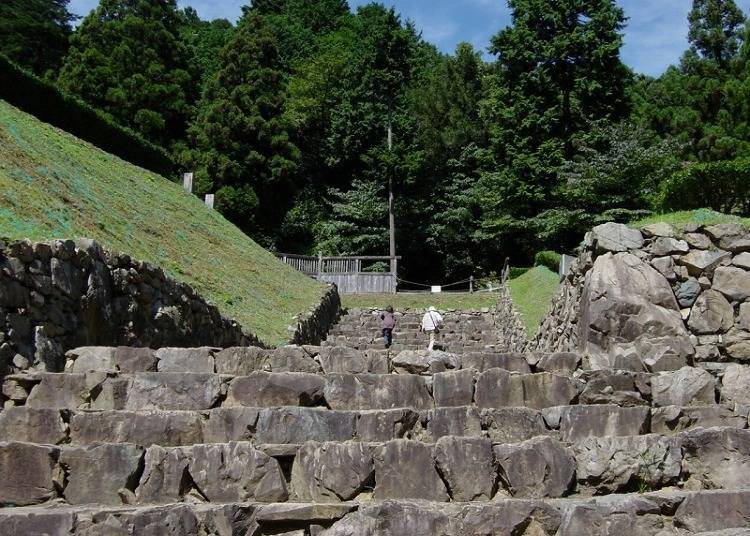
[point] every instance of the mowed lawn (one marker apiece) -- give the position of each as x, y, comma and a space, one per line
532, 295
53, 185
403, 301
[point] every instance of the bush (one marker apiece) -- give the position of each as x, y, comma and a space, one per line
46, 102
723, 186
517, 272
550, 259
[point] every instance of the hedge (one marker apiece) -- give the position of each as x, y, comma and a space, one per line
516, 272
550, 259
723, 186
48, 103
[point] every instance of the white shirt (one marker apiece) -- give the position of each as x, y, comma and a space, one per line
431, 320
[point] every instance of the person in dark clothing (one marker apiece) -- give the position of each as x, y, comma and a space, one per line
389, 322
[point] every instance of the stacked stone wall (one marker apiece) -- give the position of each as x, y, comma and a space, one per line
62, 294
655, 298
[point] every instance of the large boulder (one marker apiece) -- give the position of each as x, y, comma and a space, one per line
164, 475
733, 282
616, 237
735, 385
628, 310
497, 388
537, 468
222, 425
198, 360
139, 427
717, 458
172, 390
704, 262
425, 362
405, 470
711, 313
331, 472
296, 425
733, 237
512, 425
467, 466
384, 425
686, 387
454, 421
612, 464
455, 388
345, 360
673, 419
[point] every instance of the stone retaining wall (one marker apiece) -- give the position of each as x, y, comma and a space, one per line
313, 326
511, 329
62, 294
655, 298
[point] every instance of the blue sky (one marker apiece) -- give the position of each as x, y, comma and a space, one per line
655, 37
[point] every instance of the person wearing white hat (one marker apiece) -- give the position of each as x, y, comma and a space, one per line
431, 322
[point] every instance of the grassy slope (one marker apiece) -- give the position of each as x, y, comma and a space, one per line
404, 301
702, 216
53, 185
532, 295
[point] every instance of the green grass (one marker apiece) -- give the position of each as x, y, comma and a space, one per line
409, 301
532, 295
702, 216
53, 185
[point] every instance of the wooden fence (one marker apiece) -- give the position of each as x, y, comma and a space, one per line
348, 273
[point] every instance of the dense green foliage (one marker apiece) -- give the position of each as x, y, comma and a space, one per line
126, 59
549, 259
53, 185
285, 117
48, 103
723, 186
35, 33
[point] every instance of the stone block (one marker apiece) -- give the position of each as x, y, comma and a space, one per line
292, 359
672, 419
733, 282
497, 388
384, 425
129, 359
97, 473
616, 237
297, 425
425, 362
713, 511
173, 391
455, 388
165, 476
343, 360
236, 472
29, 473
562, 362
89, 358
512, 425
686, 387
615, 464
703, 262
242, 361
735, 385
481, 361
582, 422
33, 425
332, 472
196, 360
453, 421
405, 470
60, 391
222, 425
377, 391
268, 389
717, 458
467, 467
537, 468
166, 428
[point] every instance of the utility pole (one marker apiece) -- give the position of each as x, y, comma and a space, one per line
391, 217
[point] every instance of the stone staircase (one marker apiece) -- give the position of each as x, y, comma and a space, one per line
462, 331
352, 441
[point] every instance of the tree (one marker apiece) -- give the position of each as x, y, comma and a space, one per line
242, 146
127, 60
716, 29
204, 40
35, 33
558, 69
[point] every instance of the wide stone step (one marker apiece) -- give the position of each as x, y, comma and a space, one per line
678, 513
295, 425
493, 388
453, 469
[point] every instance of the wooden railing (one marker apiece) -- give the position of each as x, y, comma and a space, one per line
347, 272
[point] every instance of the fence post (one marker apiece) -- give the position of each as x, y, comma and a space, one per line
210, 201
320, 263
471, 285
187, 182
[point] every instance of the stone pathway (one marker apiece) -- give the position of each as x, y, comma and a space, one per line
345, 439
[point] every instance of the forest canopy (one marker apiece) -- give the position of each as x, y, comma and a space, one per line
284, 114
